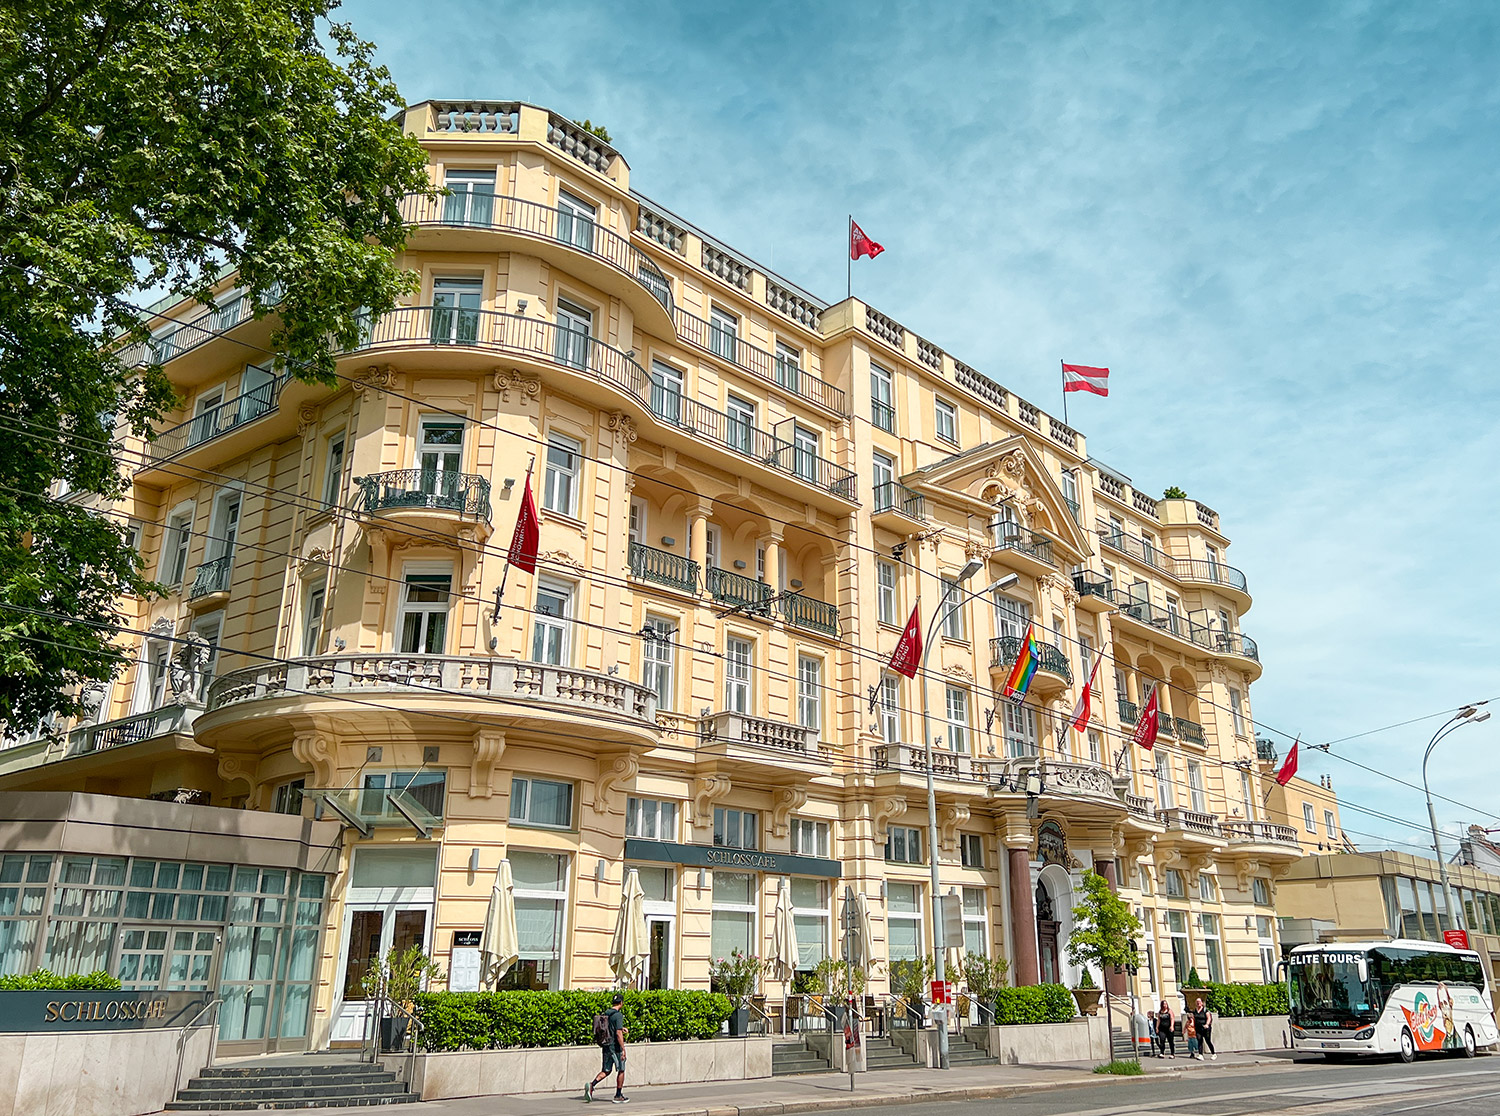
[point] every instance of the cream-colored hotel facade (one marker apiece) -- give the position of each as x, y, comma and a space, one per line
744, 490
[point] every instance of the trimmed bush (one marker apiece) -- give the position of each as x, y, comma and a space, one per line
97, 981
490, 1020
1235, 1000
1037, 1003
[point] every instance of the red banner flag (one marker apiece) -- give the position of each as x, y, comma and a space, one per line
1145, 728
908, 654
528, 535
860, 244
1080, 377
1289, 765
1081, 710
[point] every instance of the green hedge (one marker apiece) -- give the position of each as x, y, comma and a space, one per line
1036, 1003
98, 980
486, 1020
1247, 999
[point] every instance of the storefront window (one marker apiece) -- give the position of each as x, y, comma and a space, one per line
541, 884
1213, 948
1181, 953
810, 919
733, 920
975, 938
903, 921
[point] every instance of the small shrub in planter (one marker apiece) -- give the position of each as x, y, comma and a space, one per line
1036, 1003
45, 979
1237, 1000
497, 1020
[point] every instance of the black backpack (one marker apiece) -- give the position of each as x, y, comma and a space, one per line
602, 1037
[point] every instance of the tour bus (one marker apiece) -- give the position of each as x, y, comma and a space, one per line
1396, 997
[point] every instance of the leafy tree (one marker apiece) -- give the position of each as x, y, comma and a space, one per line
1103, 926
594, 129
1174, 493
156, 144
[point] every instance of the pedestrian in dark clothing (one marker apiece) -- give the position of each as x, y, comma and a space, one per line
1156, 1048
614, 1051
1203, 1020
1164, 1025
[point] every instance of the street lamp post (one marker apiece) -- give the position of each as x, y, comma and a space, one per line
1468, 715
939, 1013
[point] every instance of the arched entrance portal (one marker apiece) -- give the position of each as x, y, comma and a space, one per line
1046, 935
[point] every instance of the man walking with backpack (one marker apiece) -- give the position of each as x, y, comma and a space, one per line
609, 1033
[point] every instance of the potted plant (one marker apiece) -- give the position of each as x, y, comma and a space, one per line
909, 980
1087, 993
984, 977
397, 980
1104, 929
836, 981
1193, 989
735, 977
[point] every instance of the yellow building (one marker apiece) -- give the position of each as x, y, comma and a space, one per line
1311, 809
744, 491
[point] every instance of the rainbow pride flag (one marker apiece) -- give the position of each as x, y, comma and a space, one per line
1024, 670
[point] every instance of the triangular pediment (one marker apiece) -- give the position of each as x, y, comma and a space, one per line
1006, 472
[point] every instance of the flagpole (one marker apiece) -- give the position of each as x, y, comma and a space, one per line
505, 573
1063, 371
849, 257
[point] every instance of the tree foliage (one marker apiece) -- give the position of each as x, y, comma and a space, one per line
1103, 927
153, 144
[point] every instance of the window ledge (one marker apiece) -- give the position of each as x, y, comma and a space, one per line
563, 518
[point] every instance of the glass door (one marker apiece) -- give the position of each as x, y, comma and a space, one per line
257, 393
574, 327
455, 311
658, 972
370, 933
205, 417
666, 392
440, 457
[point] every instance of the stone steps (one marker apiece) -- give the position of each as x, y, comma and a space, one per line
291, 1085
882, 1053
794, 1057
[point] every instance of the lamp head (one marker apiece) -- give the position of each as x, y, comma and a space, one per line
1001, 584
973, 567
1482, 715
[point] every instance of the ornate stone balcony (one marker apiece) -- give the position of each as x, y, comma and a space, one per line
899, 758
1260, 833
1191, 822
400, 491
131, 730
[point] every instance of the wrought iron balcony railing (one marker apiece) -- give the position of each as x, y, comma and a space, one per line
736, 350
1036, 546
1130, 713
1091, 583
663, 567
426, 489
814, 615
217, 420
1182, 569
738, 591
1004, 649
480, 210
892, 496
882, 416
1190, 732
212, 577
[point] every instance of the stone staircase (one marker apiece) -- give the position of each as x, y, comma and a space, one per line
793, 1056
962, 1052
1121, 1045
299, 1083
881, 1054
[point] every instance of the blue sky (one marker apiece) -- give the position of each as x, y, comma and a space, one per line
1275, 222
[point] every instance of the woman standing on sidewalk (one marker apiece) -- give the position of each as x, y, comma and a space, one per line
1203, 1020
1164, 1024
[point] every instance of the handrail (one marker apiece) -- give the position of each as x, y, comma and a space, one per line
213, 1041
755, 1010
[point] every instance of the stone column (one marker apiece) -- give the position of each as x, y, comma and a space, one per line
772, 543
1026, 968
1116, 983
698, 539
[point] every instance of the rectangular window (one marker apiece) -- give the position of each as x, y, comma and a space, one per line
333, 471
651, 819
887, 604
560, 487
1247, 796
903, 907
666, 392
312, 618
958, 719
425, 788
740, 424
805, 454
890, 708
1309, 818
976, 919
1236, 712
1175, 887
424, 613
174, 551
945, 421
657, 655
1329, 825
1267, 943
1213, 950
1143, 880
637, 527
573, 344
1196, 793
575, 220
1069, 480
732, 921
810, 922
723, 334
455, 311
545, 803
788, 366
883, 479
1011, 616
287, 798
903, 844
1182, 955
1208, 890
550, 630
440, 450
971, 849
471, 197
736, 829
541, 882
1096, 746
809, 838
738, 654
810, 692
882, 399
1261, 889
1164, 799
1020, 730
954, 598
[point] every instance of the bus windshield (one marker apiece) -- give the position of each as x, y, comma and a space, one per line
1328, 988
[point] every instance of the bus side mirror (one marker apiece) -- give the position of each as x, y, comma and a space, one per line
1364, 970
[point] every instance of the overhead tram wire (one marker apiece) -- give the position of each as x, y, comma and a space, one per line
541, 443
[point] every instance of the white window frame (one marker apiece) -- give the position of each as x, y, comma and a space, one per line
976, 922
955, 602
723, 333
1165, 798
549, 626
882, 393
945, 420
1260, 891
424, 575
956, 707
314, 604
810, 837
971, 850
651, 819
1310, 818
752, 909
1236, 711
561, 482
1208, 888
788, 366
745, 822
1020, 730
815, 918
739, 674
888, 707
1330, 826
638, 522
1174, 886
1197, 795
334, 447
810, 692
659, 660
904, 838
1213, 947
1096, 746
883, 476
915, 918
560, 897
887, 593
176, 544
525, 820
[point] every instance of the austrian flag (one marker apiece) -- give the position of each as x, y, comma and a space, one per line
1080, 377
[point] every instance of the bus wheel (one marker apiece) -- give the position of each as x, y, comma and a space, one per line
1470, 1046
1408, 1047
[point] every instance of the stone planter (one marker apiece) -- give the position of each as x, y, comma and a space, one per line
392, 1035
1191, 996
1088, 1000
739, 1022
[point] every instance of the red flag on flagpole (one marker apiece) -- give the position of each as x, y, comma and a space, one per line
527, 538
1289, 765
860, 244
1081, 710
1080, 377
1145, 728
908, 654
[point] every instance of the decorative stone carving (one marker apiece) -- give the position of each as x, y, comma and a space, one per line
783, 803
953, 818
236, 768
307, 418
976, 548
506, 380
614, 773
1245, 872
887, 809
376, 379
161, 627
958, 670
561, 558
622, 425
315, 564
1080, 778
489, 746
316, 751
187, 671
707, 790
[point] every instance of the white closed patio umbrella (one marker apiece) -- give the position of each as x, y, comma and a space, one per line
627, 953
864, 933
784, 951
500, 945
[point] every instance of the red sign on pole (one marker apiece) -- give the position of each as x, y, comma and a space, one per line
940, 992
1458, 939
